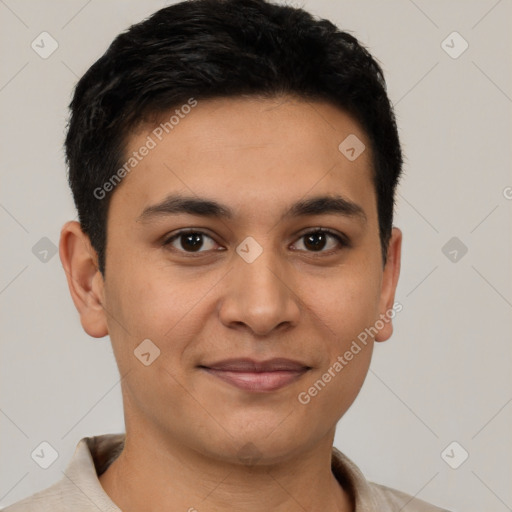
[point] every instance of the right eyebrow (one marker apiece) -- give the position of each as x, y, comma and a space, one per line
175, 204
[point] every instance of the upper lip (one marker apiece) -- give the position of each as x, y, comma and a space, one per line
252, 366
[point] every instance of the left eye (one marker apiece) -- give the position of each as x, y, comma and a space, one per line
313, 241
316, 241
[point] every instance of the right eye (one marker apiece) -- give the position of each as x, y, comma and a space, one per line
191, 241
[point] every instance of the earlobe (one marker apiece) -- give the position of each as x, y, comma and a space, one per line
389, 284
85, 281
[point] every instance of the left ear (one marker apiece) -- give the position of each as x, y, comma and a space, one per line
389, 283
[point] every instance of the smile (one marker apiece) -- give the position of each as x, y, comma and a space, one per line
254, 376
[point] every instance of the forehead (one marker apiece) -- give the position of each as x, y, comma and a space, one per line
249, 153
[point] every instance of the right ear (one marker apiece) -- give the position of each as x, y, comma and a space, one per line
85, 282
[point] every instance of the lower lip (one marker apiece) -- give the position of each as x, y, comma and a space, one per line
258, 381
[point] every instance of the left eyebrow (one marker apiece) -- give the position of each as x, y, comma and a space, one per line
323, 205
319, 205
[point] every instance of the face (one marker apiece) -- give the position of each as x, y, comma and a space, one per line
245, 246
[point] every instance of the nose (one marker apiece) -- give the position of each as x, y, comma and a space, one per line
259, 296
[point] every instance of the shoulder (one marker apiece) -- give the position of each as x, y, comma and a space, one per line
50, 499
393, 500
371, 497
79, 488
63, 496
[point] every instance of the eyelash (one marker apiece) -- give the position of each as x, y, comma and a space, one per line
342, 240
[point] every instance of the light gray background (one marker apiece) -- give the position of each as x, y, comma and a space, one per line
445, 374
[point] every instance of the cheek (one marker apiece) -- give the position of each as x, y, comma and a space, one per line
143, 301
343, 309
148, 302
345, 303
332, 390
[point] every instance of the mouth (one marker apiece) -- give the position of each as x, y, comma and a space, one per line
257, 376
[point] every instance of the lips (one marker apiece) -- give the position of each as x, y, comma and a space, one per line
257, 376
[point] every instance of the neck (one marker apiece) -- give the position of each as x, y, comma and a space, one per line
152, 474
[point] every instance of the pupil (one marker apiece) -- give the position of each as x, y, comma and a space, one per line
193, 241
315, 241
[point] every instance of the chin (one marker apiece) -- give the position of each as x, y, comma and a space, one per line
260, 445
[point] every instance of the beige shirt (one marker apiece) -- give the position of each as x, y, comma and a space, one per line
80, 490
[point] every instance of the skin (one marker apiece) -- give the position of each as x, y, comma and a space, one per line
186, 429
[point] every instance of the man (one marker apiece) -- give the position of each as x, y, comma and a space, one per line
234, 165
